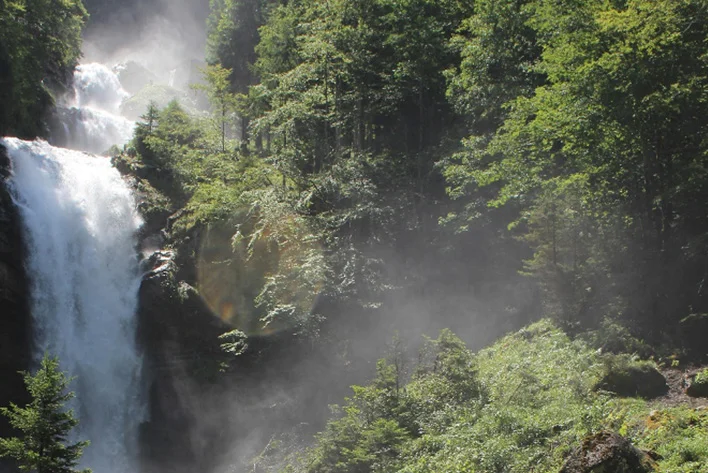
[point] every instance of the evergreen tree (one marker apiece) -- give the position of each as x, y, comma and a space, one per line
223, 101
44, 424
603, 162
233, 36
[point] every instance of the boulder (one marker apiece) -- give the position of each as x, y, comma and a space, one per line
697, 384
608, 452
638, 379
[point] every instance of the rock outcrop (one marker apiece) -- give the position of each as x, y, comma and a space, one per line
607, 452
179, 336
642, 380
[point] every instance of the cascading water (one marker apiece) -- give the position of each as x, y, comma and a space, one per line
91, 119
80, 224
97, 86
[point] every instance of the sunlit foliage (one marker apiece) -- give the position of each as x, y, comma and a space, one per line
40, 43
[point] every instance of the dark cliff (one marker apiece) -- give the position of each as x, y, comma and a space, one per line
15, 329
178, 334
180, 341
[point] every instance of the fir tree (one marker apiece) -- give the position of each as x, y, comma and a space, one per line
44, 424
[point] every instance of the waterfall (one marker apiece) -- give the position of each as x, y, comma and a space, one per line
95, 85
90, 118
80, 223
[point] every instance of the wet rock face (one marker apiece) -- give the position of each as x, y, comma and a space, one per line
15, 336
179, 336
607, 452
134, 76
15, 322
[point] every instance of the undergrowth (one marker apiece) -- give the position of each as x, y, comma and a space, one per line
518, 406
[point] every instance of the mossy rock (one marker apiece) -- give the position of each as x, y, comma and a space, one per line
639, 379
607, 452
698, 386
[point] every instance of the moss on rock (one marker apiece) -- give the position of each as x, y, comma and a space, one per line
626, 377
698, 386
607, 452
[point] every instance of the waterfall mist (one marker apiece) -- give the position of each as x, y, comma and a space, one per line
80, 222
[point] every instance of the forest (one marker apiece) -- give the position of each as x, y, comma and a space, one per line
553, 146
371, 172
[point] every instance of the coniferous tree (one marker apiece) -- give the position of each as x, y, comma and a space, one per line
222, 100
44, 424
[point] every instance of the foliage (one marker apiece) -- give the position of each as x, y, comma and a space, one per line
44, 423
354, 76
534, 402
625, 375
702, 377
346, 123
351, 107
699, 384
223, 102
161, 95
234, 343
499, 52
40, 43
680, 436
614, 337
221, 191
436, 151
440, 150
233, 35
380, 419
602, 161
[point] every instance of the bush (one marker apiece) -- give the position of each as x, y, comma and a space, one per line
534, 403
614, 337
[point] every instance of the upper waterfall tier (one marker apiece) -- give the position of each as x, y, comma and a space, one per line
90, 118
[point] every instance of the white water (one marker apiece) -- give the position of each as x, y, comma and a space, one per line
80, 223
91, 117
95, 85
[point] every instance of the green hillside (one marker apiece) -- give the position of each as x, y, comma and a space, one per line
518, 406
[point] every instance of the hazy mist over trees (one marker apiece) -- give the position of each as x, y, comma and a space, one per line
377, 170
